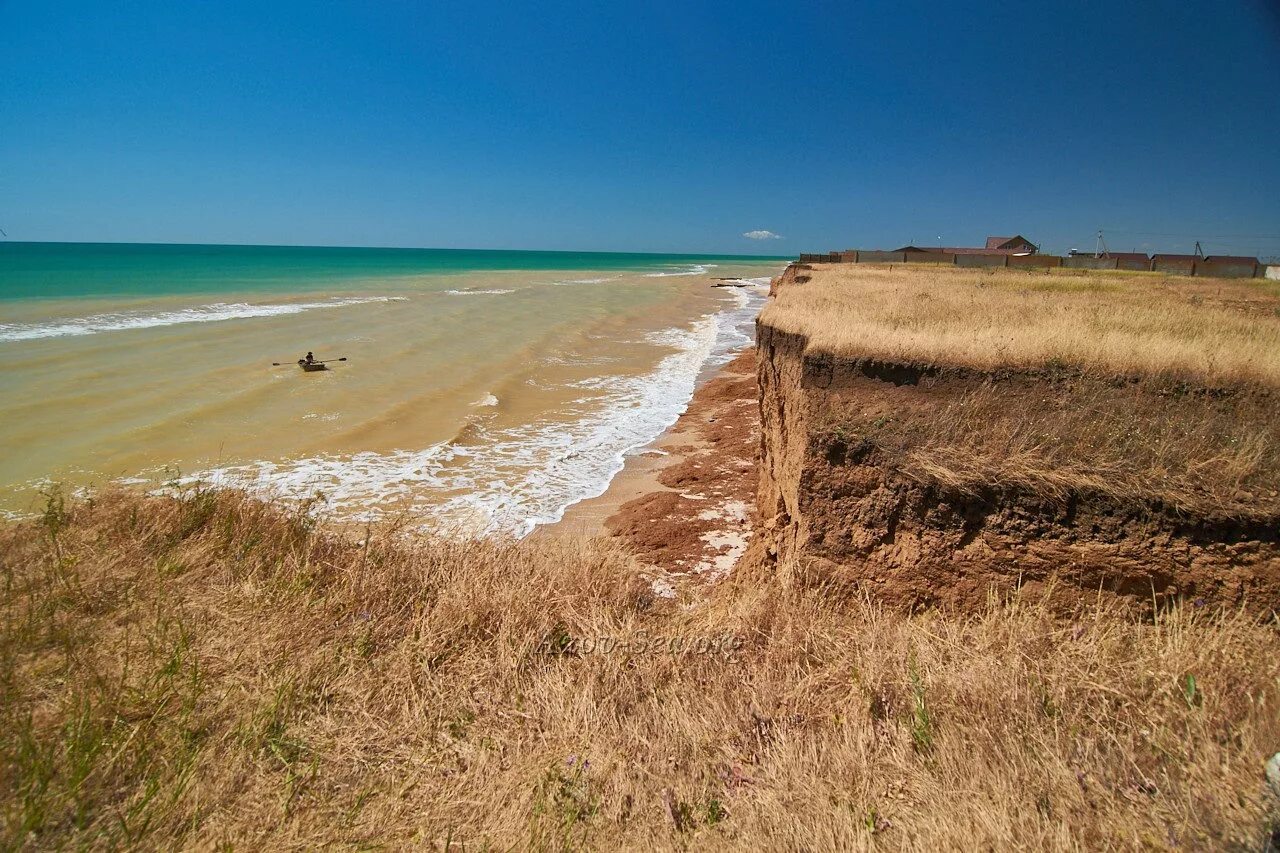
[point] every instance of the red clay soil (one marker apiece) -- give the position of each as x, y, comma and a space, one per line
702, 521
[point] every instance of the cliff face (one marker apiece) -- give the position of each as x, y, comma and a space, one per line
784, 443
836, 506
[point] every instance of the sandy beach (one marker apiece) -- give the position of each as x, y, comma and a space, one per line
684, 504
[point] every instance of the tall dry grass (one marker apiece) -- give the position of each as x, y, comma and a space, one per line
1202, 454
1208, 331
206, 671
1198, 431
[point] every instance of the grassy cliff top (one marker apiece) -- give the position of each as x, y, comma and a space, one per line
1209, 331
1050, 417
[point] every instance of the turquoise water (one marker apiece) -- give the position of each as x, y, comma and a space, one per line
70, 270
481, 391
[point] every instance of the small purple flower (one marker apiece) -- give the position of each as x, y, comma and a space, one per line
573, 759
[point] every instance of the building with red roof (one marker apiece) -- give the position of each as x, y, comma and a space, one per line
1016, 245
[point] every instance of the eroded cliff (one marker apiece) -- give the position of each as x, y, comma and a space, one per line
855, 490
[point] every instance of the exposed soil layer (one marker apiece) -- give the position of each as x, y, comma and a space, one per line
920, 544
842, 503
700, 520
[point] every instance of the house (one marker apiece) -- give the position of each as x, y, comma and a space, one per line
1017, 245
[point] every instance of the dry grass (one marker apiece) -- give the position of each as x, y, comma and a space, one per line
1208, 331
1202, 454
205, 671
1195, 424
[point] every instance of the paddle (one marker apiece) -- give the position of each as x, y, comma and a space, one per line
326, 361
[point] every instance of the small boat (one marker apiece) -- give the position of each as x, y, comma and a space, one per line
310, 366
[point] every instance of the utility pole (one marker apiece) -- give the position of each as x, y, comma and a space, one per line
1199, 251
1101, 250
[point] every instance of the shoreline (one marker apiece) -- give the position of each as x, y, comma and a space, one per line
684, 503
583, 365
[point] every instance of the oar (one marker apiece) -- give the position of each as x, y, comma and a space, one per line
281, 364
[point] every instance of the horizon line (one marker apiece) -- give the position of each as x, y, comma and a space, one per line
387, 248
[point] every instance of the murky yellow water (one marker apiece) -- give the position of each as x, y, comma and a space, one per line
484, 400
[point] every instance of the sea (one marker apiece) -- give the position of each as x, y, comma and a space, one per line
481, 392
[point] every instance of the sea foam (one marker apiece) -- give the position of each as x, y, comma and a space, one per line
479, 292
508, 481
217, 312
691, 269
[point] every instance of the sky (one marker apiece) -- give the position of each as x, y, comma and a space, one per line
745, 127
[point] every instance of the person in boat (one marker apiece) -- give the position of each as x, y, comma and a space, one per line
310, 359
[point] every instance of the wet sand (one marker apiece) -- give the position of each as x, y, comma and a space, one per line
685, 503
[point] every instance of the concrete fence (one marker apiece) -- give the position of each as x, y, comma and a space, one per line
1035, 261
1168, 266
1173, 266
1226, 269
930, 258
982, 260
1081, 262
867, 257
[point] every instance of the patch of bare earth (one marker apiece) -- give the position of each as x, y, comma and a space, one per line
699, 521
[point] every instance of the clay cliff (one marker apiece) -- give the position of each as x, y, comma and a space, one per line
844, 499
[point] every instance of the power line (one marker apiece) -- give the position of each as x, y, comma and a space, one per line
1198, 236
1248, 248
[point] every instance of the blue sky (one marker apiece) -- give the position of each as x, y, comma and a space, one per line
654, 127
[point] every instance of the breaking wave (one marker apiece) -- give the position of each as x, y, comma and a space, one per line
478, 292
506, 481
214, 313
691, 269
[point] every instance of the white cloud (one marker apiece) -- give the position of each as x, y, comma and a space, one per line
762, 235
